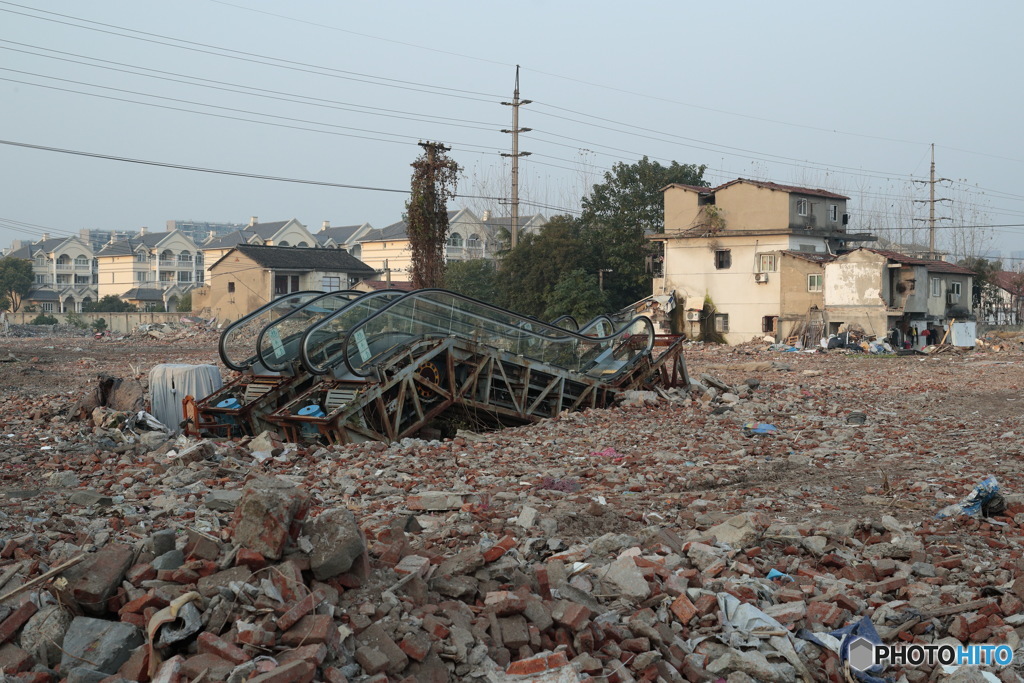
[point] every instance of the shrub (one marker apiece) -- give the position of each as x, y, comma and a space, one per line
75, 319
43, 319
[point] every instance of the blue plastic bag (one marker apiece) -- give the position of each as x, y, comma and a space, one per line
986, 490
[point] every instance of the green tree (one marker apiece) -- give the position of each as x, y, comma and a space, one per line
476, 278
984, 278
185, 303
529, 273
111, 303
621, 210
15, 281
577, 294
434, 179
100, 324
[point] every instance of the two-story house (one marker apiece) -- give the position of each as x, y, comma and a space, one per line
150, 269
389, 249
878, 290
64, 271
746, 258
251, 275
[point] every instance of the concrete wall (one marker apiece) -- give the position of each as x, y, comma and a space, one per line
116, 322
795, 299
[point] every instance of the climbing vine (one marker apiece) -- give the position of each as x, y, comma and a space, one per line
434, 180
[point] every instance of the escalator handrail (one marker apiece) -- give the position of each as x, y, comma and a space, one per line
307, 364
559, 333
278, 365
246, 318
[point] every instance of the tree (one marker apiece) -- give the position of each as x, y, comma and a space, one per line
618, 213
985, 271
434, 179
577, 294
476, 278
530, 272
15, 281
185, 303
111, 303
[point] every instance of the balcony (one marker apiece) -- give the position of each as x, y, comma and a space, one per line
83, 267
64, 267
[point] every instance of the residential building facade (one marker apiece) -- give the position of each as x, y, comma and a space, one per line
250, 275
166, 261
64, 272
745, 259
288, 233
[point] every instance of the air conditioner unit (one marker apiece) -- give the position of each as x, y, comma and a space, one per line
693, 316
761, 277
952, 298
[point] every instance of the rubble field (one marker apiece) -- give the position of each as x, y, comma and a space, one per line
721, 533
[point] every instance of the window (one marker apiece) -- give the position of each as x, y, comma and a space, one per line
231, 288
200, 276
47, 307
767, 263
455, 240
810, 248
141, 257
140, 276
768, 323
723, 259
801, 207
954, 288
833, 212
814, 282
185, 258
185, 276
936, 286
40, 279
722, 322
331, 283
284, 243
81, 263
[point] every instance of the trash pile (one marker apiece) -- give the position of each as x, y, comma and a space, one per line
193, 328
662, 539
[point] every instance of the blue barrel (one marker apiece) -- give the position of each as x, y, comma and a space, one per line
230, 404
311, 411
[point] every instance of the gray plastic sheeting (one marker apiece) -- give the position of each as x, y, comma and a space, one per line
171, 382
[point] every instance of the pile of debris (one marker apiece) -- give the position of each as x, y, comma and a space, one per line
47, 331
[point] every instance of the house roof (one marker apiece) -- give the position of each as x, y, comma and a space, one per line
42, 295
128, 245
299, 258
812, 256
1010, 281
340, 234
793, 189
29, 251
395, 231
506, 221
933, 265
267, 230
229, 240
144, 294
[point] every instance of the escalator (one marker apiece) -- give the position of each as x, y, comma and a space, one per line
390, 368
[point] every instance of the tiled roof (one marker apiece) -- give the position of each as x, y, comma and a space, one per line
229, 240
933, 265
266, 230
128, 246
812, 256
144, 294
506, 221
301, 258
395, 231
42, 295
339, 234
1010, 281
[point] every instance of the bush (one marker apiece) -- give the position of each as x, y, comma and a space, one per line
43, 319
110, 304
75, 319
185, 303
100, 324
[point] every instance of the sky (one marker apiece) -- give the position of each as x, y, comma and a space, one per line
842, 96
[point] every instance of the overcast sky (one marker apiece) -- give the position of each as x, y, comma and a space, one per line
845, 96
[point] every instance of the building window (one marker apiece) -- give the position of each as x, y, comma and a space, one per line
140, 276
801, 207
200, 276
141, 257
40, 279
809, 248
455, 240
814, 282
936, 286
833, 212
723, 259
767, 263
231, 288
185, 277
769, 323
331, 283
954, 288
47, 307
722, 322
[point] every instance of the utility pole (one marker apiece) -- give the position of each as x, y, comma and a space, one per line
931, 204
515, 130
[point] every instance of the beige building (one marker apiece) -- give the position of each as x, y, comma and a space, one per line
64, 273
168, 262
343, 237
745, 258
251, 275
289, 233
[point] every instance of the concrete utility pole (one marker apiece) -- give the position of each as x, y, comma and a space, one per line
515, 130
931, 205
